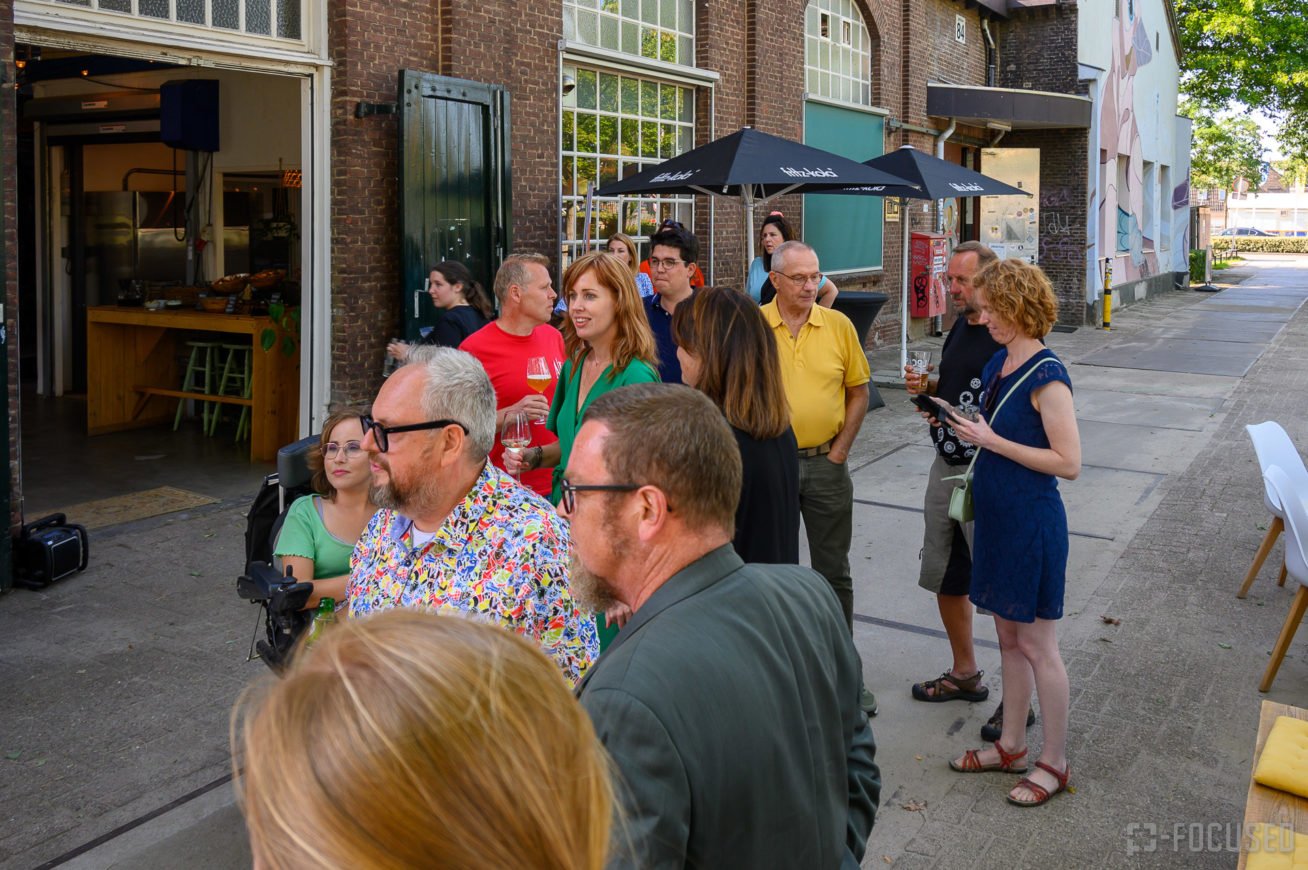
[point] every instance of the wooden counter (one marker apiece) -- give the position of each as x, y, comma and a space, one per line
129, 349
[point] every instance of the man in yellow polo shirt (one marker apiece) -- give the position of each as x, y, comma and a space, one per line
825, 373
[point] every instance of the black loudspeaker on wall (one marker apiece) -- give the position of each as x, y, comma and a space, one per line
188, 114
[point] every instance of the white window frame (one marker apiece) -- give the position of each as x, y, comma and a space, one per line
841, 59
573, 244
65, 25
614, 16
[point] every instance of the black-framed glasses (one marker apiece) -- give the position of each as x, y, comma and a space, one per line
571, 489
382, 434
666, 264
670, 224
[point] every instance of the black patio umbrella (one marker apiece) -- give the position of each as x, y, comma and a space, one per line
757, 167
933, 178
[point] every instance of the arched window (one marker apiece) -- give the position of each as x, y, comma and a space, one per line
837, 52
839, 117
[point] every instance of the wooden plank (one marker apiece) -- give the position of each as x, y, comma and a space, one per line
1270, 805
199, 397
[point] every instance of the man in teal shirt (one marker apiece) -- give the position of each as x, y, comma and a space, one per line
729, 702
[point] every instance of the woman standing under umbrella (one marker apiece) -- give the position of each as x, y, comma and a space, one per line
776, 230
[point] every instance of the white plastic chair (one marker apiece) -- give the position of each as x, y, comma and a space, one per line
1273, 447
1296, 562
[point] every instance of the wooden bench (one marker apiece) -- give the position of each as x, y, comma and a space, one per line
149, 392
1270, 805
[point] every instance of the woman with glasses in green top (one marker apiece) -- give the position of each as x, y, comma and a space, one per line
320, 531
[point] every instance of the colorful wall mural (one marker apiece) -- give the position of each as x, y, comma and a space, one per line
1139, 221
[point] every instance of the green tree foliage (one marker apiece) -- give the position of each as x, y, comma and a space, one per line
1225, 148
1253, 52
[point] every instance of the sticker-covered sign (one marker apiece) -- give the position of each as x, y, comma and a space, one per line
1010, 225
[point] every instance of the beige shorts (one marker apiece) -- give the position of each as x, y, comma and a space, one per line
938, 540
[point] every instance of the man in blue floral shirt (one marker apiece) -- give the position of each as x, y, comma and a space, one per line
455, 533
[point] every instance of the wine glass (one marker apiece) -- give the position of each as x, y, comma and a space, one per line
516, 433
538, 374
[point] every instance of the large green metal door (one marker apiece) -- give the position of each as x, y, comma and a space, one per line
454, 183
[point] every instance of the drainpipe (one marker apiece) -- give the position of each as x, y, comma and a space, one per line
992, 54
938, 322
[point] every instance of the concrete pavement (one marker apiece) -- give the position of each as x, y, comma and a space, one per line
117, 683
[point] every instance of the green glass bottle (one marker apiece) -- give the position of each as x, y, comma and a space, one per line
325, 616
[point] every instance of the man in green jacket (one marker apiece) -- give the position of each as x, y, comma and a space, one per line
729, 701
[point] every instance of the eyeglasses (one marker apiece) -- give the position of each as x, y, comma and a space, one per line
382, 434
671, 224
803, 280
571, 489
351, 449
666, 264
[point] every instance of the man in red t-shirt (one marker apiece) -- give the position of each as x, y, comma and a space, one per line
526, 296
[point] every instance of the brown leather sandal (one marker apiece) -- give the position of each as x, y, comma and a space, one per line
1009, 762
949, 687
1042, 794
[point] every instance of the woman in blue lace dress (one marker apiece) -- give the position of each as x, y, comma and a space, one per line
1028, 438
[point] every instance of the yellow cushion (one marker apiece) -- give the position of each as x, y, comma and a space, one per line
1284, 762
1276, 847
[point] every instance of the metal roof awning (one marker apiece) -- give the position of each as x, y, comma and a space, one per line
980, 106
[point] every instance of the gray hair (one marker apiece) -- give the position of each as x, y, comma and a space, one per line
785, 248
514, 271
984, 256
458, 388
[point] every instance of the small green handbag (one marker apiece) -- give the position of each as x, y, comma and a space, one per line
960, 500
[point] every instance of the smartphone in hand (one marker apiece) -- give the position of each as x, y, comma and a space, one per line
928, 405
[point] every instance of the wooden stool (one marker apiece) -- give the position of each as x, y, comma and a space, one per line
199, 365
237, 374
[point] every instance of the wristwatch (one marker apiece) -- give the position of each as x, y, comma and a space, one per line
537, 454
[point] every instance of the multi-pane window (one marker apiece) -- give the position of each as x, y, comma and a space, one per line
614, 125
655, 29
280, 19
837, 52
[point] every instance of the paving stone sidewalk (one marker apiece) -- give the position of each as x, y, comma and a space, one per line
1164, 705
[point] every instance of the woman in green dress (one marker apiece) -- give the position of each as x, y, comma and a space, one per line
609, 345
320, 531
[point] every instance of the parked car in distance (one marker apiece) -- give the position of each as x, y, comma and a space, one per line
1242, 231
1290, 233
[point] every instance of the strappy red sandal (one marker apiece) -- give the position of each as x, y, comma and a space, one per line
1042, 794
1009, 762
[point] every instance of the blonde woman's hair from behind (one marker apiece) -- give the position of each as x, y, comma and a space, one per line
411, 740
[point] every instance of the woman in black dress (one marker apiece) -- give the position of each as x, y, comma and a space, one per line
465, 308
727, 352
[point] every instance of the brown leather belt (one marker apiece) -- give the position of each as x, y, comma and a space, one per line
820, 450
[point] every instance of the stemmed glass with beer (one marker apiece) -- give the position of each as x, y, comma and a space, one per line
538, 374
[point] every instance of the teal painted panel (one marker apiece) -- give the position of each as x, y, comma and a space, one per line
846, 231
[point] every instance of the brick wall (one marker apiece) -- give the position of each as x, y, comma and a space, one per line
1038, 50
370, 41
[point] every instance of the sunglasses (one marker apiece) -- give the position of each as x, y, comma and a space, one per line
382, 434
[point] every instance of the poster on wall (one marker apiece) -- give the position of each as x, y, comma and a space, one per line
1010, 225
